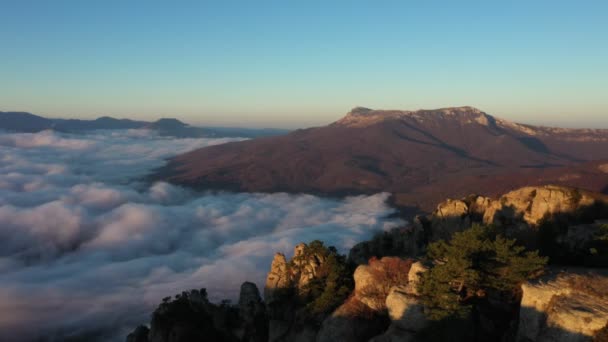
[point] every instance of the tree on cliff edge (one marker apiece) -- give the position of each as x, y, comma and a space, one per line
470, 265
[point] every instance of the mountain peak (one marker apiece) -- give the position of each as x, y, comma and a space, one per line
360, 110
168, 123
363, 117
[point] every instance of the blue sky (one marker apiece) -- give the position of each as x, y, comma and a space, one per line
303, 63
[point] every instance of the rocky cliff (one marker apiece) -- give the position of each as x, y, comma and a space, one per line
525, 207
302, 292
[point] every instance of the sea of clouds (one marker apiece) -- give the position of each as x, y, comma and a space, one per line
88, 249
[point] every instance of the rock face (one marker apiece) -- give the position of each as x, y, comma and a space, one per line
282, 277
385, 285
353, 321
528, 205
531, 204
374, 281
286, 284
278, 278
404, 309
278, 287
450, 216
252, 315
564, 306
577, 216
519, 214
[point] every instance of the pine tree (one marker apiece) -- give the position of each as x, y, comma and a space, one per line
473, 262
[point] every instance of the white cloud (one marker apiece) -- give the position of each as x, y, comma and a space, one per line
86, 246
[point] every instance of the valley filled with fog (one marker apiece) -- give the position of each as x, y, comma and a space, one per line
89, 248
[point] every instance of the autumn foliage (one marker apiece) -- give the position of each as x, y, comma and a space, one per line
386, 273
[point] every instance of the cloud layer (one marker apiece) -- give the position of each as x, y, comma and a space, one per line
86, 249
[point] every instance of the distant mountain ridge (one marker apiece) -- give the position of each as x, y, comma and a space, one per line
420, 156
31, 123
362, 117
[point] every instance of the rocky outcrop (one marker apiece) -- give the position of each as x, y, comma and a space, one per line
287, 293
278, 278
252, 315
404, 309
296, 274
532, 204
521, 214
278, 287
353, 321
374, 280
386, 285
305, 266
362, 117
525, 206
528, 205
449, 217
571, 305
407, 317
191, 317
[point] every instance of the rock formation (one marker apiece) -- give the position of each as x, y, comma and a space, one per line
353, 321
404, 309
571, 216
191, 317
292, 289
364, 314
278, 278
252, 315
519, 213
283, 276
527, 205
571, 305
532, 204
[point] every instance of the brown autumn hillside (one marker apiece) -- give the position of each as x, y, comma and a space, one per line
419, 156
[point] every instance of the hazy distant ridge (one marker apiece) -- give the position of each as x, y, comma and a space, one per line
31, 123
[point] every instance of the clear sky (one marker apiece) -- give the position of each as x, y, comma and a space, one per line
302, 63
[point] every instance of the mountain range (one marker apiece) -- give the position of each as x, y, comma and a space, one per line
419, 156
31, 123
